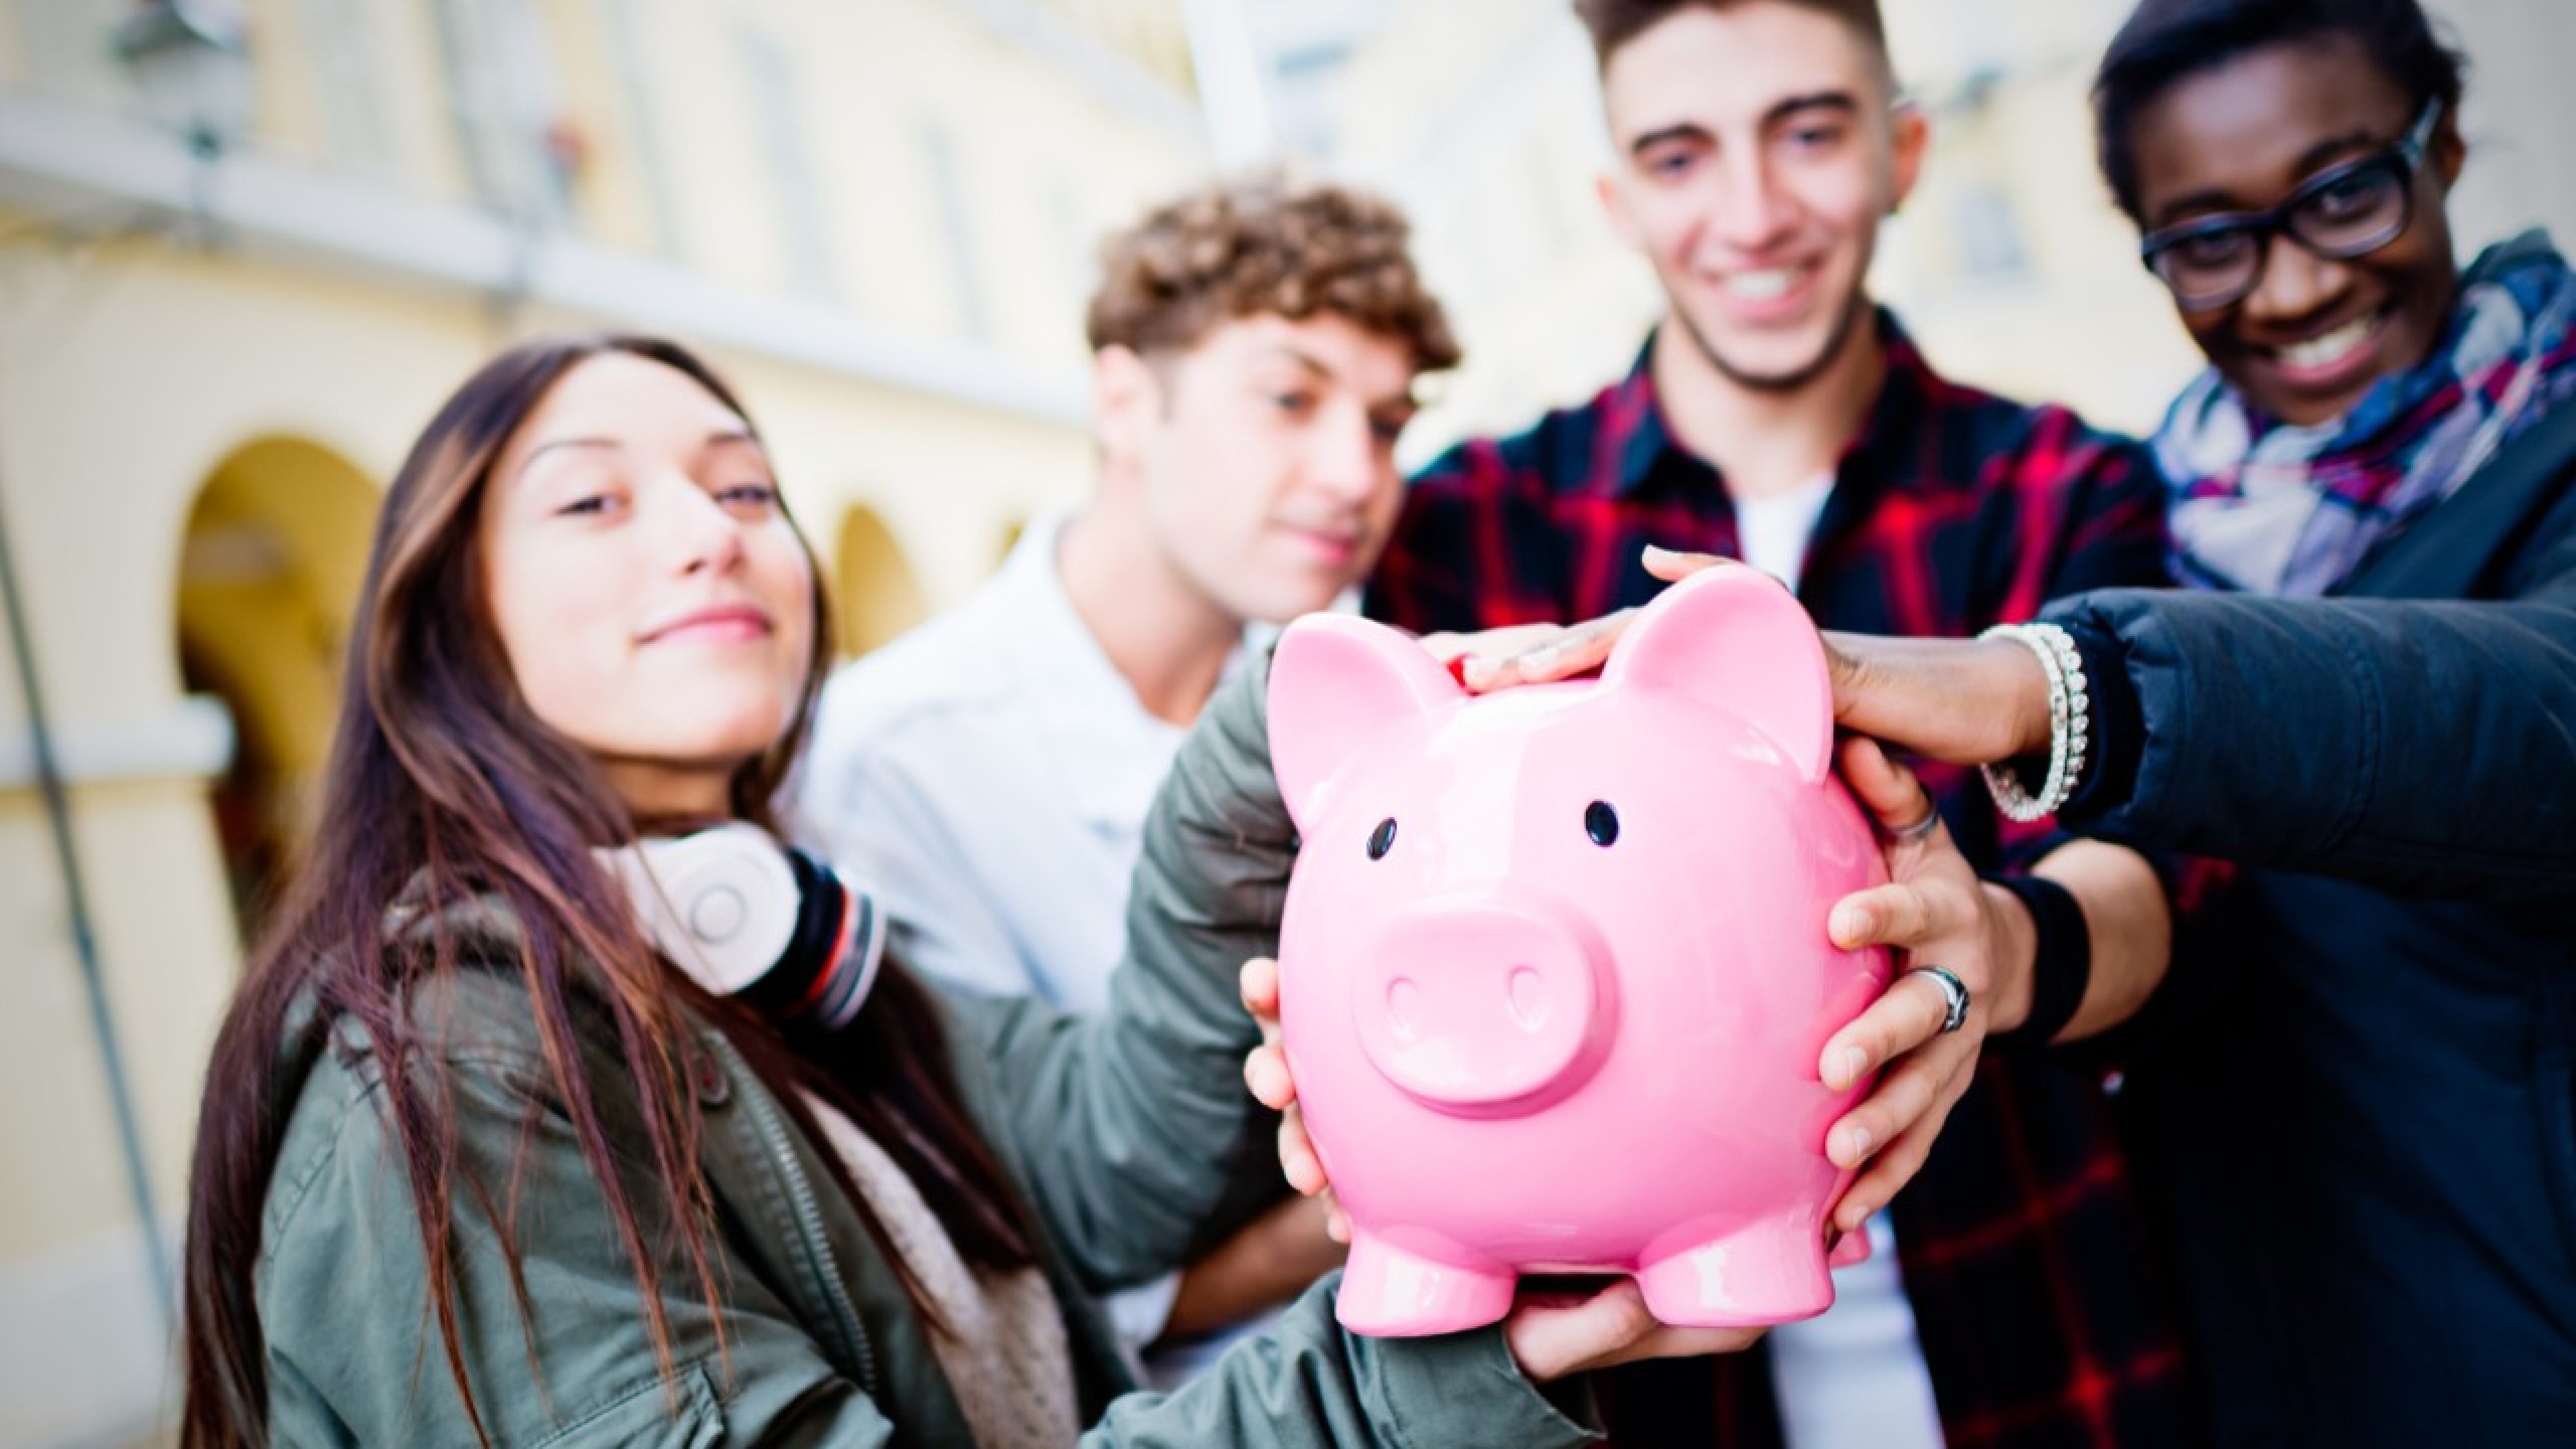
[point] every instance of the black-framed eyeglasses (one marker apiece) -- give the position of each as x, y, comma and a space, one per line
2340, 213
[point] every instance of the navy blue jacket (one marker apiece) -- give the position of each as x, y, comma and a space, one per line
2368, 1151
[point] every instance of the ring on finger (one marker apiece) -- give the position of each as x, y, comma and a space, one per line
1954, 994
1916, 832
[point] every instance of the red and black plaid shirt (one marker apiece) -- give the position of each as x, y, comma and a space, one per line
2041, 1314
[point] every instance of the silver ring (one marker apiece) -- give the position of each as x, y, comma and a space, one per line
1954, 995
1920, 830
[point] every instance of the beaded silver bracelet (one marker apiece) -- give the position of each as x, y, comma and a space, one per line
2070, 723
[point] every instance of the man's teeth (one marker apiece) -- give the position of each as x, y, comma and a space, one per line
2332, 347
1763, 286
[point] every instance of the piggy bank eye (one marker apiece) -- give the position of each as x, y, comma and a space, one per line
1382, 839
1601, 822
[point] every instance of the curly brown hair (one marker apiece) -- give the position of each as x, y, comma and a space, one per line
1265, 245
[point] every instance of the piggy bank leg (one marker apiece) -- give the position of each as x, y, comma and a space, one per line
1852, 1249
1769, 1272
1390, 1293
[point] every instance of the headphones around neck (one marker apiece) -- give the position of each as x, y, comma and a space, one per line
750, 918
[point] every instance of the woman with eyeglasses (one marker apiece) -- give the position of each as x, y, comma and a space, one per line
2366, 698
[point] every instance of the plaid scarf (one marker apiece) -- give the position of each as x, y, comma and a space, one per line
2262, 506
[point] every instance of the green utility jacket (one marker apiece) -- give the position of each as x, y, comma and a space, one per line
1129, 1134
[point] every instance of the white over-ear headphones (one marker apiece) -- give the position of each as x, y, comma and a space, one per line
748, 917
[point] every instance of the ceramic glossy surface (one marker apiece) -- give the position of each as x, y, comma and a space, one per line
1565, 1013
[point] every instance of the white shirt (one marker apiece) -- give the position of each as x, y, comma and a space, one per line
1852, 1377
1775, 531
986, 778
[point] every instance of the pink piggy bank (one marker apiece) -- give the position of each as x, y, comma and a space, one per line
1554, 976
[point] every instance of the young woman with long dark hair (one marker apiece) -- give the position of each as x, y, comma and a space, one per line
483, 1159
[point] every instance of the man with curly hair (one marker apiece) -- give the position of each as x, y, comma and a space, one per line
1254, 349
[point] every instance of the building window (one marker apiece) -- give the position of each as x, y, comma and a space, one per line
1990, 245
502, 92
341, 47
956, 235
639, 122
772, 78
1076, 243
66, 50
1303, 83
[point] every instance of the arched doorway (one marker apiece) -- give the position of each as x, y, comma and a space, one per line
877, 595
276, 547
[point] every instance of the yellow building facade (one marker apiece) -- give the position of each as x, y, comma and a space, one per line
878, 220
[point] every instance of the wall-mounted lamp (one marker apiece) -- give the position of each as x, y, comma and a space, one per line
191, 60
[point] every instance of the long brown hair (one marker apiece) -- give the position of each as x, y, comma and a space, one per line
443, 787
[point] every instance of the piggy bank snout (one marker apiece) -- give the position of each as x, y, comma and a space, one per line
1479, 1006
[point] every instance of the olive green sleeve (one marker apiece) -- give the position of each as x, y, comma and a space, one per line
1137, 1138
1307, 1382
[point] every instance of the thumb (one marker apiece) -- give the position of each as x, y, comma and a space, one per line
1673, 566
1888, 790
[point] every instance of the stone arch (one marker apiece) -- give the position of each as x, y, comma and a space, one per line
275, 549
876, 595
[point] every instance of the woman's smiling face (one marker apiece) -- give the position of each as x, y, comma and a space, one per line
653, 600
2308, 341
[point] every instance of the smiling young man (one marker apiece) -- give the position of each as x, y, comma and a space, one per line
1254, 351
1776, 414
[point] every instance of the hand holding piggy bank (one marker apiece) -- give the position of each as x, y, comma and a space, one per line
1554, 968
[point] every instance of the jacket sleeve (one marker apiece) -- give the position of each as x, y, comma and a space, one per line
355, 1357
2081, 510
1306, 1384
2424, 747
1138, 1140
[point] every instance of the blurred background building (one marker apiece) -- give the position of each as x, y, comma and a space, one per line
245, 248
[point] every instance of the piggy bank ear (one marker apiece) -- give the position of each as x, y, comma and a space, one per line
1732, 636
1335, 681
